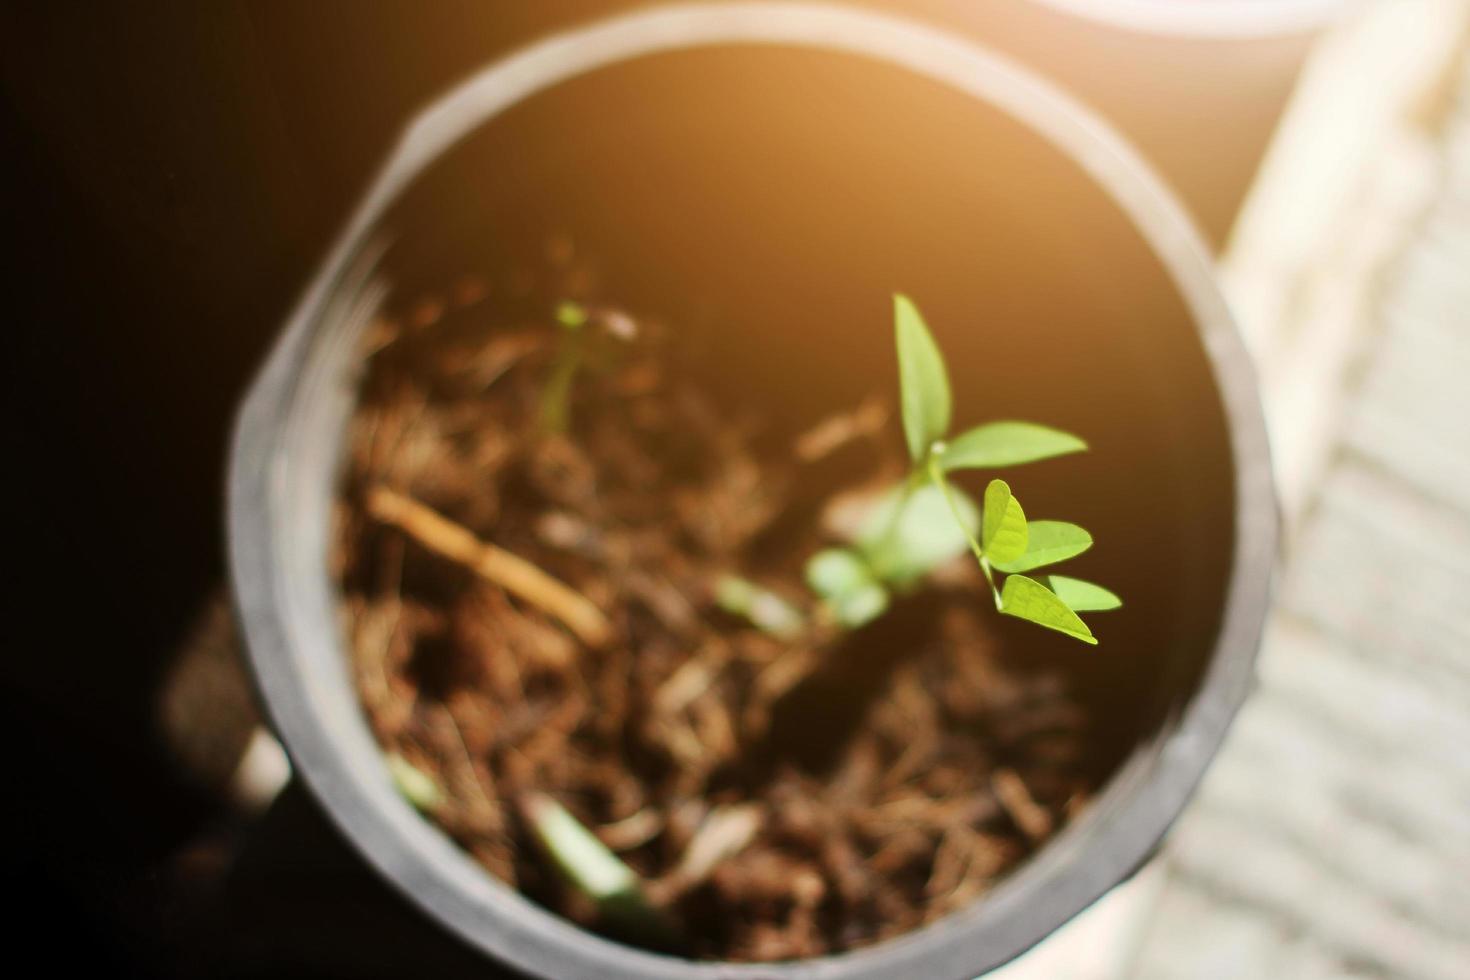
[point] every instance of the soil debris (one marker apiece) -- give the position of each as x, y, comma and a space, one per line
533, 616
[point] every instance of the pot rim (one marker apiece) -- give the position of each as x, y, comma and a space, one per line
1140, 801
1219, 19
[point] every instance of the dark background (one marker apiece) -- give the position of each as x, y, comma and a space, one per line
173, 171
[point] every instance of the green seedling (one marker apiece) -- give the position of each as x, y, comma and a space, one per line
571, 315
853, 591
926, 520
556, 397
617, 891
764, 609
589, 339
413, 784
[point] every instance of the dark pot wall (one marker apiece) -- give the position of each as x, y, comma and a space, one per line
1199, 99
771, 199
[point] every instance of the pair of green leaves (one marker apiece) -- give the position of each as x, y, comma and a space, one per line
934, 524
1008, 542
927, 408
1013, 545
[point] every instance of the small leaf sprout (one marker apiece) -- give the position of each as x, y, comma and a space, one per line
902, 536
926, 520
587, 338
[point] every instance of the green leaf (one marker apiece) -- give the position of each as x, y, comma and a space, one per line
1007, 444
584, 859
590, 867
1028, 599
835, 572
734, 594
1048, 543
846, 583
923, 382
413, 784
1003, 535
924, 536
571, 315
1081, 596
861, 606
774, 615
765, 610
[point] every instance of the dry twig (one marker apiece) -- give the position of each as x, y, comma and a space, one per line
511, 572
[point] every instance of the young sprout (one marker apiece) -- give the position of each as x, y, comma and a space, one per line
927, 520
571, 315
556, 396
587, 339
616, 890
413, 784
764, 609
853, 591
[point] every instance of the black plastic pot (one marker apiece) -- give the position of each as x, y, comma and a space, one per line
767, 174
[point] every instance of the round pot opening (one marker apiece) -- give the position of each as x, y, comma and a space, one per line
766, 176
